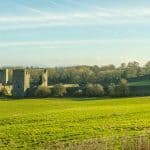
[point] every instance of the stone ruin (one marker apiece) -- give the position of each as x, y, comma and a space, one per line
4, 75
20, 81
44, 78
4, 81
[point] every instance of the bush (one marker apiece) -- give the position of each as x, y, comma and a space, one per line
31, 92
3, 92
71, 91
99, 90
89, 90
78, 93
42, 92
59, 90
94, 90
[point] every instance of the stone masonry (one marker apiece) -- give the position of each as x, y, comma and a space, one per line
21, 82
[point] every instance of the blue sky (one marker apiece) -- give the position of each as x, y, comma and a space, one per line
74, 32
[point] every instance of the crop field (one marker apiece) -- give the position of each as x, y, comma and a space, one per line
46, 123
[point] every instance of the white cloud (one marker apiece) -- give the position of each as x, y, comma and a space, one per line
97, 17
59, 44
46, 44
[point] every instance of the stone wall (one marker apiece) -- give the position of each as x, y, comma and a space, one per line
44, 78
4, 76
21, 82
8, 88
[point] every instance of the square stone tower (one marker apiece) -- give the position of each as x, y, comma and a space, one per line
21, 82
4, 76
44, 79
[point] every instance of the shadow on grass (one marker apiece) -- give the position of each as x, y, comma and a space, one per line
5, 98
99, 98
10, 98
88, 98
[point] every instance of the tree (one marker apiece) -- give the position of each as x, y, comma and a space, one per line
108, 68
133, 69
124, 90
42, 92
147, 68
123, 66
123, 69
112, 90
98, 90
59, 90
89, 90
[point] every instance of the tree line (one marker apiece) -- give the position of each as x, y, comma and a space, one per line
93, 81
87, 90
94, 74
91, 74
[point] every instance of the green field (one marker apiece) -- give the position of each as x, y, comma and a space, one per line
139, 83
37, 123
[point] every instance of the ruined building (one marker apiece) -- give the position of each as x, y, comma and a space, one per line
44, 79
4, 81
21, 82
4, 76
17, 82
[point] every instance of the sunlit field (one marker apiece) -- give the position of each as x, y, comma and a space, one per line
45, 123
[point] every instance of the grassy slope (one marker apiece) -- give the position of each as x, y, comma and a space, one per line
31, 123
140, 83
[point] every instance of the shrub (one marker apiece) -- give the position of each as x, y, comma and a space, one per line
59, 90
72, 90
98, 90
31, 92
89, 90
42, 92
78, 93
94, 90
3, 92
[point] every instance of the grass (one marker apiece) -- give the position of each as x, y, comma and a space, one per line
140, 83
45, 123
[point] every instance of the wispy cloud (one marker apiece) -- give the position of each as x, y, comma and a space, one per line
59, 44
99, 16
51, 44
74, 16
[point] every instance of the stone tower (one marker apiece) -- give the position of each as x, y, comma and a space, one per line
44, 78
4, 76
21, 82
